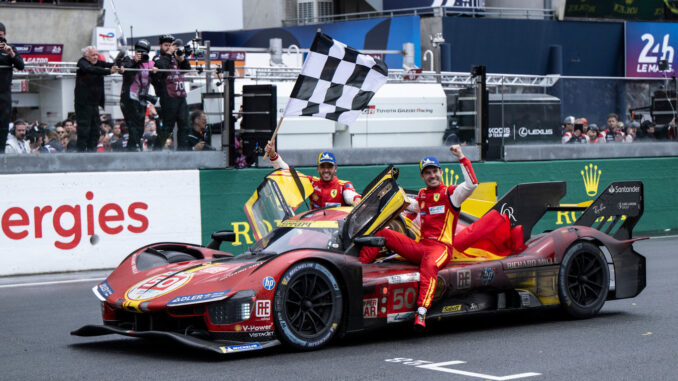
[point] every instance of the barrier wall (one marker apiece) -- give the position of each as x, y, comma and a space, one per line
222, 203
79, 221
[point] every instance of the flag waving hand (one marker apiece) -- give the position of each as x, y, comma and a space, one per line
336, 82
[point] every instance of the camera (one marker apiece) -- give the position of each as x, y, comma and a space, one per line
145, 57
663, 65
186, 49
3, 40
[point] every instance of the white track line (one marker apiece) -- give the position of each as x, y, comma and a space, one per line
51, 283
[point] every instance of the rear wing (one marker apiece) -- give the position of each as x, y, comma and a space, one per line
620, 201
525, 204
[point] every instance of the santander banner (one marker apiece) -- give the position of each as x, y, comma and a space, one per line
646, 44
79, 221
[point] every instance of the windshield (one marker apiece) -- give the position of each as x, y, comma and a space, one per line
288, 238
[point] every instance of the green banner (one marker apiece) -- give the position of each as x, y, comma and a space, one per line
617, 9
224, 192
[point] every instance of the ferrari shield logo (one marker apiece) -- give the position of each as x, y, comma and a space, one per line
314, 197
333, 193
436, 197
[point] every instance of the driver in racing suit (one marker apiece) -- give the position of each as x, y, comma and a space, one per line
328, 190
438, 206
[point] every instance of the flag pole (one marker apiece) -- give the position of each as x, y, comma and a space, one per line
275, 133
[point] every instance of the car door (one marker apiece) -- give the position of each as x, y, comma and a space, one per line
276, 199
383, 199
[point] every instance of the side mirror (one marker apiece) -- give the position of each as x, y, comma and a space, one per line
370, 240
220, 236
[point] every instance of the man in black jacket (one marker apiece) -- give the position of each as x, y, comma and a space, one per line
89, 95
169, 86
134, 94
198, 138
8, 57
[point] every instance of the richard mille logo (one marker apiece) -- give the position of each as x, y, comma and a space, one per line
508, 211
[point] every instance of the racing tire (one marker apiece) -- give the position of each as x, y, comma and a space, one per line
583, 281
307, 307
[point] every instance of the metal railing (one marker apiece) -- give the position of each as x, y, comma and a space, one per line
528, 13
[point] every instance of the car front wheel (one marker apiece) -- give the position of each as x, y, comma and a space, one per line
307, 306
584, 280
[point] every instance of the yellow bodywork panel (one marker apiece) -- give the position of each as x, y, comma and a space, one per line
483, 198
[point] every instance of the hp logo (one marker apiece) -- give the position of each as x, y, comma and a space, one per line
269, 283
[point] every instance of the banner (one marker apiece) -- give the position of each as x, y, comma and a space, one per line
80, 221
39, 53
105, 39
616, 9
647, 44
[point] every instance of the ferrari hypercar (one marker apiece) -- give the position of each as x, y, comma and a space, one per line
302, 283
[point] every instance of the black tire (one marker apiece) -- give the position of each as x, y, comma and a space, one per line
307, 307
584, 280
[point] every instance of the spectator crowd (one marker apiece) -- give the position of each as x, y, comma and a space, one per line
579, 131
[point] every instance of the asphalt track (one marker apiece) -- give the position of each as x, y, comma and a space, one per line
630, 339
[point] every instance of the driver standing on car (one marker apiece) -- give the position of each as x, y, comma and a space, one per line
328, 190
438, 206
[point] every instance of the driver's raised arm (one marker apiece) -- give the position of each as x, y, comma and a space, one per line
351, 197
276, 160
462, 191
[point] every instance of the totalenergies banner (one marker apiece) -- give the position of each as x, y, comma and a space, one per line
78, 221
647, 44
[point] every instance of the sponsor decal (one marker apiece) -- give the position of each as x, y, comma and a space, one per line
157, 285
241, 348
529, 263
436, 197
499, 132
627, 205
241, 269
254, 328
423, 203
487, 276
333, 193
309, 224
68, 222
262, 308
624, 189
370, 308
598, 209
403, 278
454, 308
197, 298
268, 283
508, 211
332, 204
591, 176
524, 131
400, 316
261, 334
213, 269
105, 289
436, 209
463, 279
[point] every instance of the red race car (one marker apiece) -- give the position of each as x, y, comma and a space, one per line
302, 283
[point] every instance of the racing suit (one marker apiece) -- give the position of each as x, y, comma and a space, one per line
6, 91
171, 89
439, 210
89, 95
326, 194
133, 99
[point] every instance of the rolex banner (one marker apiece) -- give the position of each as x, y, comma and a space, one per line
618, 9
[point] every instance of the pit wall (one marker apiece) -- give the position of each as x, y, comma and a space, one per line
75, 221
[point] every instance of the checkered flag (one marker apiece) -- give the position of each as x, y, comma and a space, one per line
336, 82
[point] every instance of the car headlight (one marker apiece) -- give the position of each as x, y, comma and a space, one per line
232, 310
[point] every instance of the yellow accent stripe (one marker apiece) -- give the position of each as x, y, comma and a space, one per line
308, 224
441, 259
132, 305
429, 293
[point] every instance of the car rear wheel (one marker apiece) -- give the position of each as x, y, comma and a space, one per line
307, 306
584, 280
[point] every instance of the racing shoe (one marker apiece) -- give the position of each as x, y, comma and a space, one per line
420, 319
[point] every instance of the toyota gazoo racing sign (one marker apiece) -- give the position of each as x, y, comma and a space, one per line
646, 45
80, 221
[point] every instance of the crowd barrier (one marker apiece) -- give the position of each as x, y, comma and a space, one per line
56, 222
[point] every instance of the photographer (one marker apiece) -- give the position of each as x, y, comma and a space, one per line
89, 95
170, 87
11, 58
134, 94
199, 137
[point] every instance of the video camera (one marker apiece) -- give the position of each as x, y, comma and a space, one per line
181, 50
